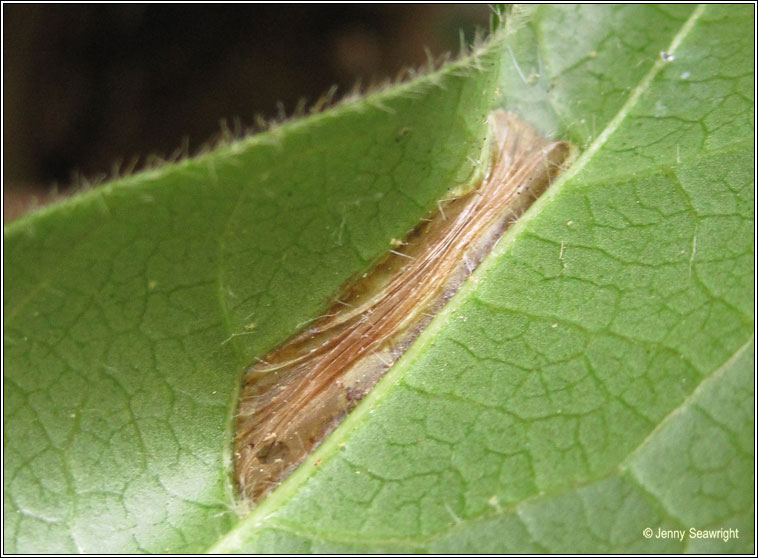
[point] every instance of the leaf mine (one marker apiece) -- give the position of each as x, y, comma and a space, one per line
299, 392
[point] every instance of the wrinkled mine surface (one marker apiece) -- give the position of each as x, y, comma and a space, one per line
300, 391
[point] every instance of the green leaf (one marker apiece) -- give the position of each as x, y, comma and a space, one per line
593, 379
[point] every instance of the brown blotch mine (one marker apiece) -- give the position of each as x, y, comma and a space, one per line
302, 390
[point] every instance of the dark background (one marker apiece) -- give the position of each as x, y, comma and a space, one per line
89, 86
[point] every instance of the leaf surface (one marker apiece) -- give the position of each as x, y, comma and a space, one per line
594, 378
